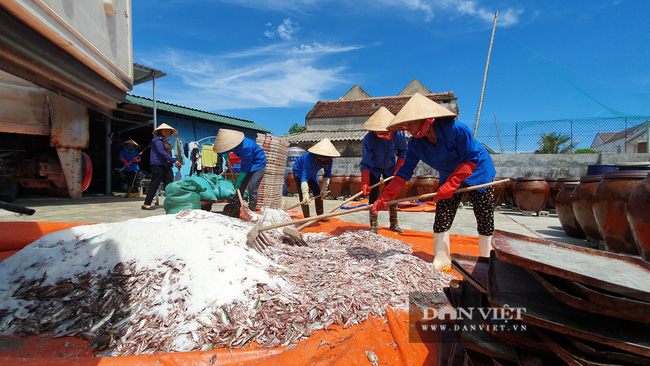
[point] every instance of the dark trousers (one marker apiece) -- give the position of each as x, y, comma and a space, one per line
374, 193
159, 174
313, 186
252, 181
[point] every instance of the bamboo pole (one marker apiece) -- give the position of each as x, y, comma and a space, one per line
498, 135
487, 64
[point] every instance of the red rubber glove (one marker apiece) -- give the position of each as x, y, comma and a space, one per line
137, 160
398, 165
390, 193
365, 182
126, 163
462, 171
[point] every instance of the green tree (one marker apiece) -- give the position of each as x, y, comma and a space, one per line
586, 151
295, 128
555, 143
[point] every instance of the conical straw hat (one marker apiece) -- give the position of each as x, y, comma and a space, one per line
324, 148
379, 120
227, 140
132, 143
418, 108
165, 126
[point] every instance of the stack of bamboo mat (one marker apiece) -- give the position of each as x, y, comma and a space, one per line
276, 150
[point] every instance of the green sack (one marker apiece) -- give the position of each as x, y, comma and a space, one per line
212, 178
223, 189
182, 195
208, 194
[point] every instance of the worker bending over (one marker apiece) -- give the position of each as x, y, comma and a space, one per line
447, 146
305, 171
253, 161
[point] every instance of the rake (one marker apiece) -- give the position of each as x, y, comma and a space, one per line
257, 240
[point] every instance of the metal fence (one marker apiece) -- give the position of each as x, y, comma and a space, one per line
507, 137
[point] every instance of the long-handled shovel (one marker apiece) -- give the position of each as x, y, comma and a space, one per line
348, 200
324, 194
253, 237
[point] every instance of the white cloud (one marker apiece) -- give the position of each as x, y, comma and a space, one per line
318, 48
285, 30
274, 76
469, 8
429, 8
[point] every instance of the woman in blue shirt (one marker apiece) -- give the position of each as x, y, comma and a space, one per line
305, 172
448, 146
253, 161
161, 162
130, 158
379, 149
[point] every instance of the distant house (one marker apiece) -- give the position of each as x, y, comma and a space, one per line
341, 120
632, 140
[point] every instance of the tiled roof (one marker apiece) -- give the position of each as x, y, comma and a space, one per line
614, 136
367, 106
191, 112
315, 136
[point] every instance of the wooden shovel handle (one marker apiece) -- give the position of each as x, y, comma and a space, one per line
348, 200
365, 208
137, 156
361, 192
308, 201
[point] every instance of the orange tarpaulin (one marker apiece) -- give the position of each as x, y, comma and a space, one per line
387, 338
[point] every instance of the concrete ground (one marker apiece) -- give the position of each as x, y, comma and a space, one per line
101, 209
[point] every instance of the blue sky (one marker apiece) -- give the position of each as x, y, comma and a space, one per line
270, 61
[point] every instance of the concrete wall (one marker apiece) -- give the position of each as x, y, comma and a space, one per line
335, 124
523, 165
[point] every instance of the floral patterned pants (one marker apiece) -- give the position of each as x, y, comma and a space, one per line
482, 203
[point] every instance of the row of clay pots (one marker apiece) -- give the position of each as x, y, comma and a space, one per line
612, 207
349, 184
531, 193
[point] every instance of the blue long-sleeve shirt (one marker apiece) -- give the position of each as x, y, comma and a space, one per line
129, 156
305, 168
251, 154
159, 155
379, 154
454, 145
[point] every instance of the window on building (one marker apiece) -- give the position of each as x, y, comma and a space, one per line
642, 148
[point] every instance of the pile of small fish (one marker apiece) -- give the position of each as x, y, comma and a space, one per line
131, 310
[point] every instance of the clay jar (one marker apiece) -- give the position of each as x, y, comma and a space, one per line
638, 216
610, 208
558, 186
564, 207
531, 193
425, 184
338, 183
552, 182
354, 183
582, 201
291, 184
509, 194
406, 190
499, 191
